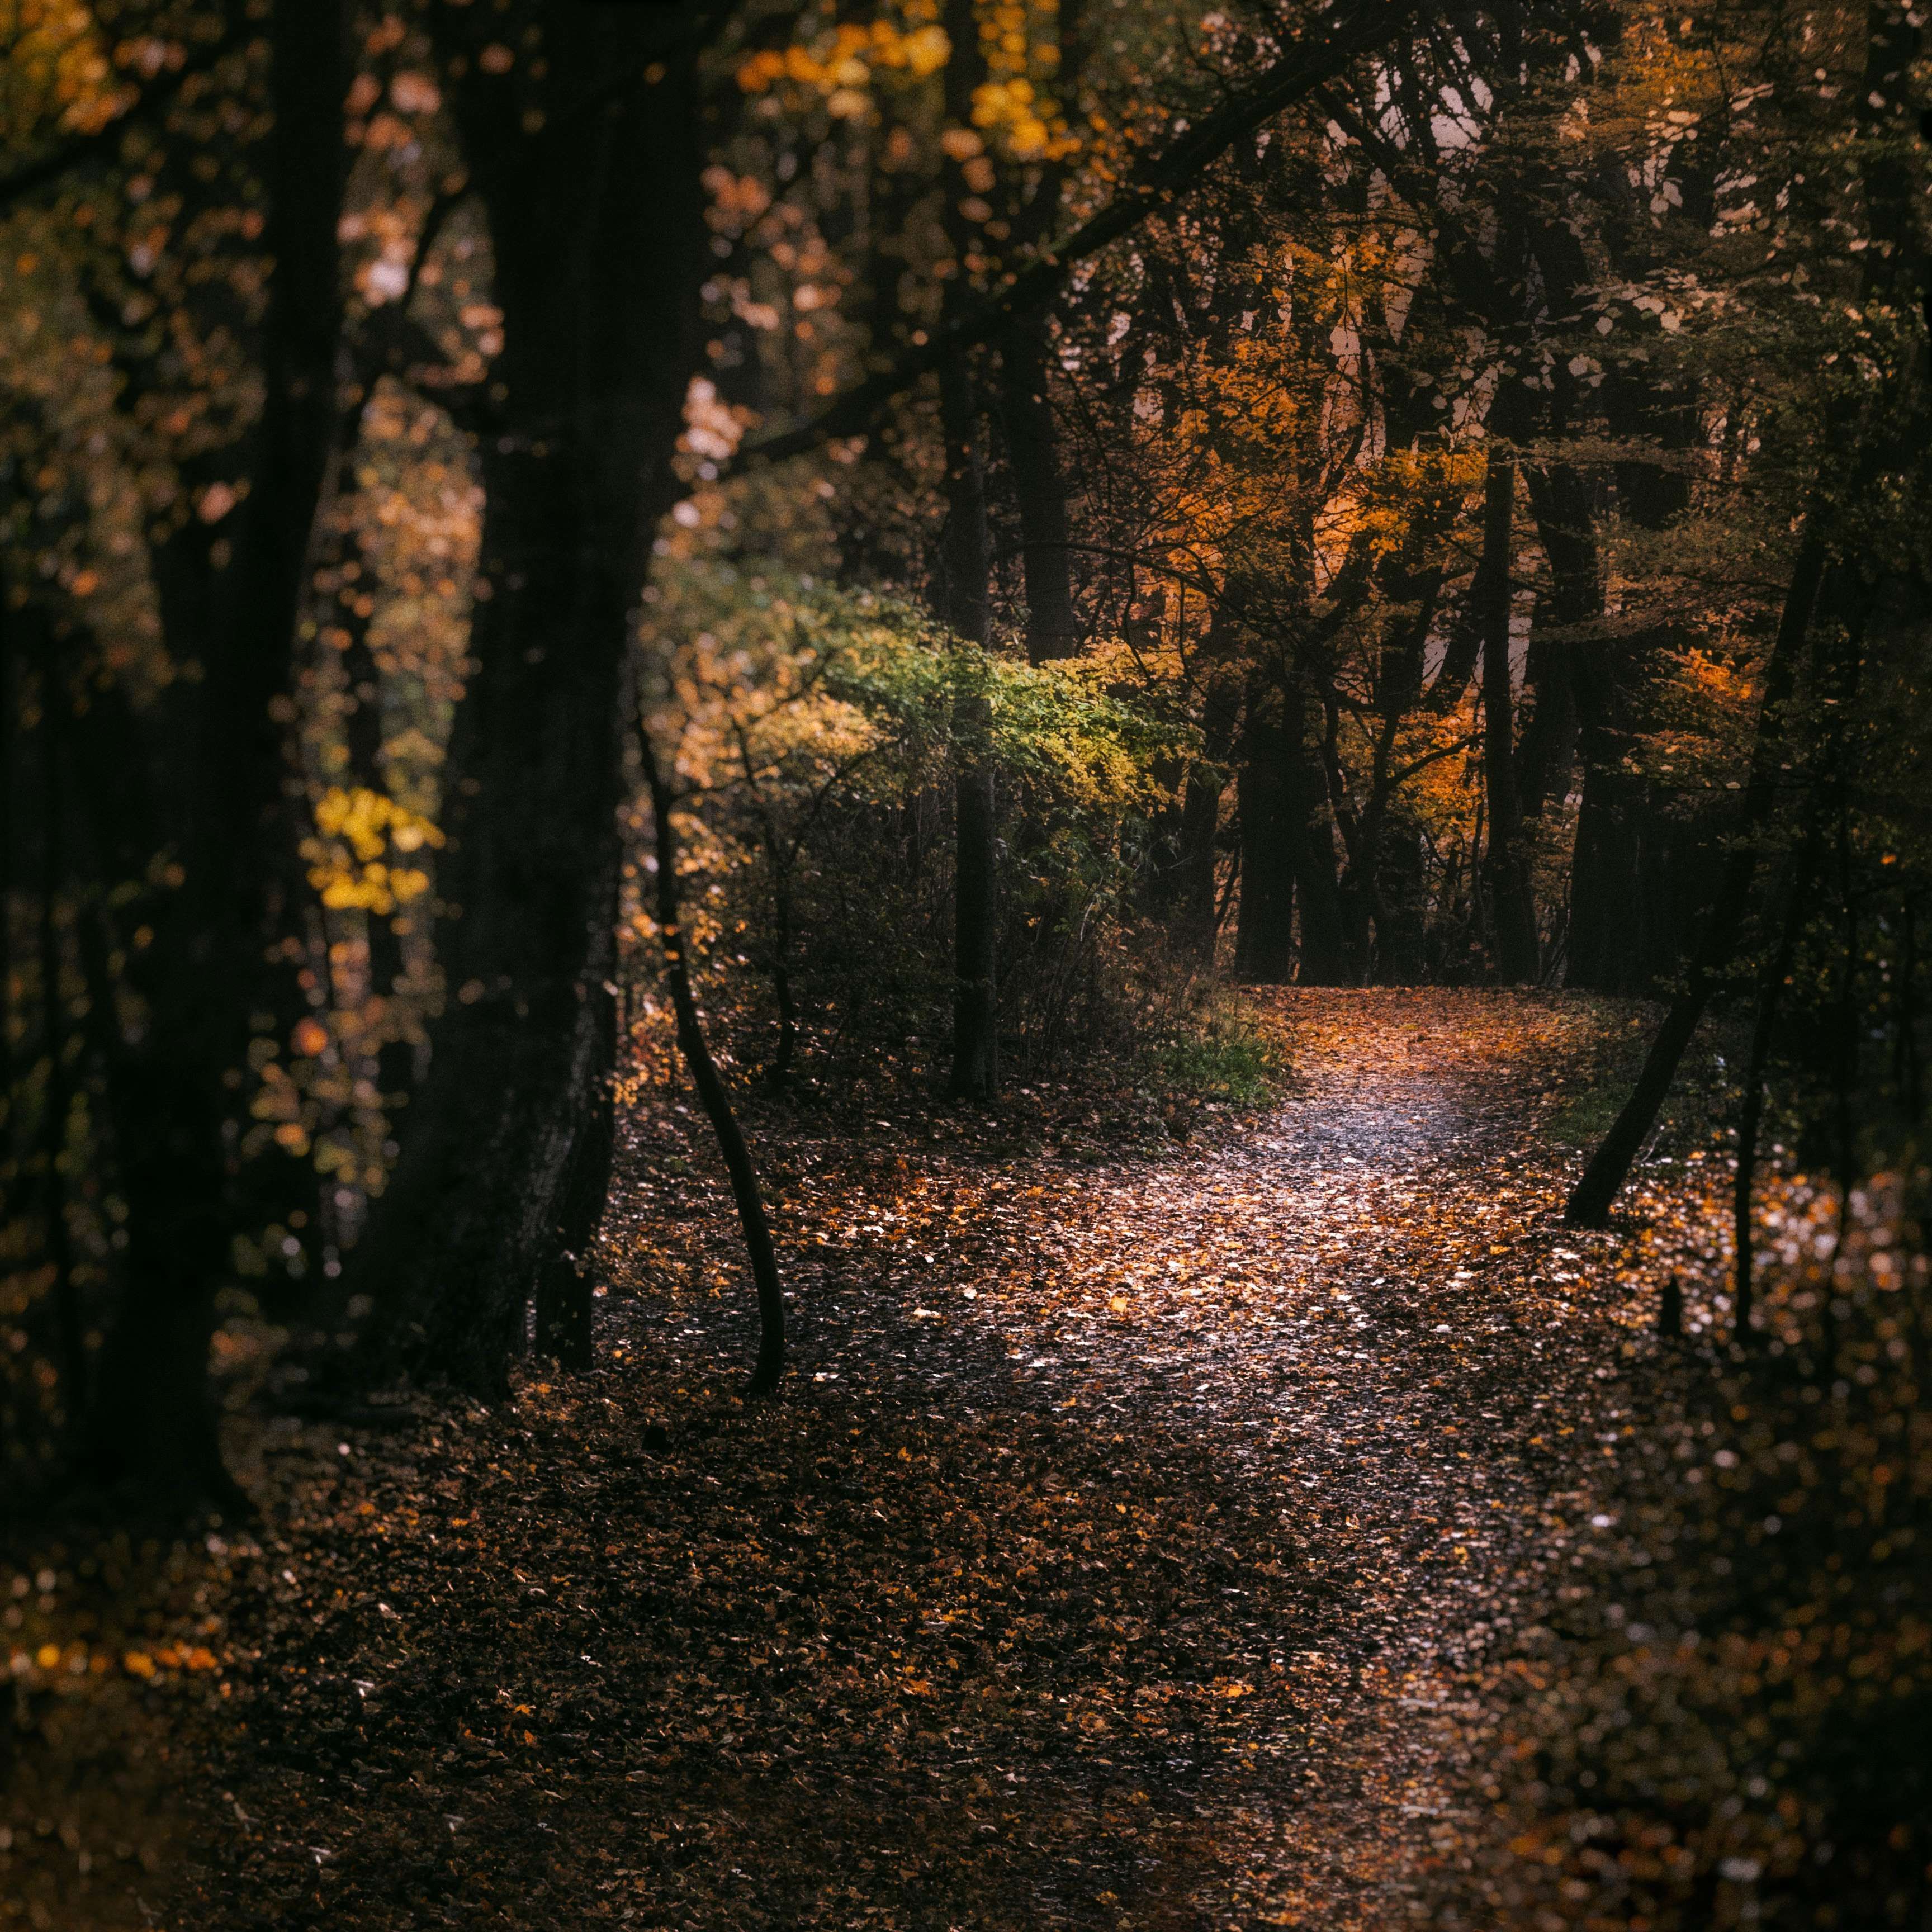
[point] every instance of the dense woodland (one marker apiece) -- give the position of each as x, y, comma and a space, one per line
570, 569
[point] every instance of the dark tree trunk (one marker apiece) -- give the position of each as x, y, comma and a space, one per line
1325, 960
1606, 912
1265, 798
565, 1283
1546, 748
1590, 1200
1385, 871
599, 246
712, 1096
1039, 485
1565, 526
224, 809
1512, 912
363, 731
1462, 649
1193, 923
963, 602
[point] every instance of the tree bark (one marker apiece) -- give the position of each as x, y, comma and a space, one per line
962, 600
222, 807
1565, 526
1039, 485
1512, 911
1192, 921
1264, 928
1324, 959
599, 245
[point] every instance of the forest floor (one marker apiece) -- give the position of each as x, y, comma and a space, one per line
1130, 1546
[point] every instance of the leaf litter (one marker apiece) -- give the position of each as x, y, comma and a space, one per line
1147, 1536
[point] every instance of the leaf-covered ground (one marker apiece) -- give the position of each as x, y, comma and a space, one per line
1126, 1550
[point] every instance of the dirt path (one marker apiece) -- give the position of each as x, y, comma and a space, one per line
1123, 1526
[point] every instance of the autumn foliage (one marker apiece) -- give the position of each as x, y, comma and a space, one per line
1225, 711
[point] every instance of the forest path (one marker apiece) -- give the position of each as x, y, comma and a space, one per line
1127, 1517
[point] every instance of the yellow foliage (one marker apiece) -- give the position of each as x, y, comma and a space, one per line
848, 59
58, 67
347, 865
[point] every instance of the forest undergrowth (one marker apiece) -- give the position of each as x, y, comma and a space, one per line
1152, 1534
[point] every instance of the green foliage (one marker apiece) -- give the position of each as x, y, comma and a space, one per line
1221, 1054
817, 728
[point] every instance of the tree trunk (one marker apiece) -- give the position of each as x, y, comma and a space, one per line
964, 604
1606, 888
963, 600
1565, 526
1512, 911
711, 1093
1265, 927
599, 246
1039, 484
1590, 1200
1324, 957
1192, 922
220, 753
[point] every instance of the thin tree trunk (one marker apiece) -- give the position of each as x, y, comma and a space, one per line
963, 601
1193, 917
1264, 930
1324, 955
1590, 1200
712, 1096
1511, 907
1039, 485
1750, 1114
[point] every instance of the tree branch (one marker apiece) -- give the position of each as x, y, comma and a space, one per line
1299, 71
